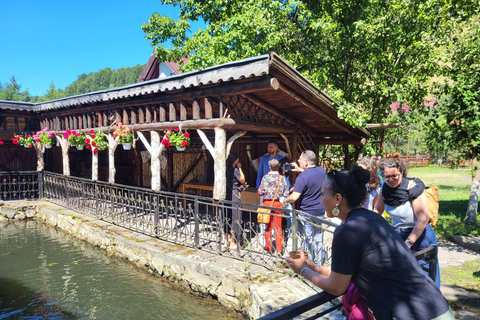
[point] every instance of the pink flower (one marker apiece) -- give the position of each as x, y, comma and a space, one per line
186, 135
49, 135
406, 108
184, 143
169, 128
176, 130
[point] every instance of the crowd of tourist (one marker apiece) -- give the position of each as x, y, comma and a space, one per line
372, 262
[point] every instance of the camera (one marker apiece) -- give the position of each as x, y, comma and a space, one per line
288, 166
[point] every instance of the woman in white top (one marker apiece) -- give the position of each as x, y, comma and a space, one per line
373, 186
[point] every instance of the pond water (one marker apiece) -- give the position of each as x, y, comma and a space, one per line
47, 274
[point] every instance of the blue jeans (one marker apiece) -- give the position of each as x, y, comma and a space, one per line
313, 243
427, 238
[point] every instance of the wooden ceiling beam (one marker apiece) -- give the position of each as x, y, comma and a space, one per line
279, 113
317, 110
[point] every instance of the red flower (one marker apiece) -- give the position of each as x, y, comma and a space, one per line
1, 142
176, 130
95, 150
93, 136
88, 147
168, 144
164, 142
167, 135
184, 143
87, 141
94, 144
186, 135
91, 131
169, 128
30, 146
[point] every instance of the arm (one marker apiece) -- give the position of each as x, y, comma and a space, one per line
293, 197
420, 207
332, 282
261, 189
260, 173
380, 206
240, 179
296, 168
375, 200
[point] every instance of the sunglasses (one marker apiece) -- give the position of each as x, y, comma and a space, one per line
392, 176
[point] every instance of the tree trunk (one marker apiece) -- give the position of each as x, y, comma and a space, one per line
66, 161
155, 149
40, 149
112, 145
471, 215
218, 153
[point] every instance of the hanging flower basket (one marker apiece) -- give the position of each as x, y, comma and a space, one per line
23, 140
77, 139
124, 134
127, 146
98, 142
177, 139
79, 148
45, 137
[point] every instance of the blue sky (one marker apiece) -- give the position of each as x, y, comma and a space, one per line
45, 41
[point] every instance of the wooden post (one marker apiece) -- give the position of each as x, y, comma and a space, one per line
219, 155
183, 110
66, 161
208, 108
155, 149
94, 162
112, 145
172, 114
196, 109
40, 149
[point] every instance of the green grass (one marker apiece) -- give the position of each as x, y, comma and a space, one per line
454, 188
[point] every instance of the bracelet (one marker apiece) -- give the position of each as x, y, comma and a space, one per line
304, 268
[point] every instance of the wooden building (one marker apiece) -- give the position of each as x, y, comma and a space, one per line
236, 106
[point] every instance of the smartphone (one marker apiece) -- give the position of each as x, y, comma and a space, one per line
288, 166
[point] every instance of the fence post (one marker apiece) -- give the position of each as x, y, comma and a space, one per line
294, 230
66, 191
197, 223
40, 185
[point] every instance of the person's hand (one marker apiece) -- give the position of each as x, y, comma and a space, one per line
296, 168
239, 165
298, 264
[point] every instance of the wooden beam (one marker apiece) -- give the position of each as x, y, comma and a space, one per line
318, 111
278, 113
183, 110
377, 126
196, 109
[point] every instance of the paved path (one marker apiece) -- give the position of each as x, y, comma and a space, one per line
455, 254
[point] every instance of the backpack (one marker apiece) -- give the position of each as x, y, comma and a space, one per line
433, 197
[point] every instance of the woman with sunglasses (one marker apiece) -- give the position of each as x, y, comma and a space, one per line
367, 252
404, 200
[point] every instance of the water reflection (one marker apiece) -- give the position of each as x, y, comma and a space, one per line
45, 273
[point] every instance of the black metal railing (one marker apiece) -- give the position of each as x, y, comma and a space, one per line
187, 219
25, 185
330, 303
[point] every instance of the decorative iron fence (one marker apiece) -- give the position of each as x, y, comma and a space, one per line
23, 185
189, 220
